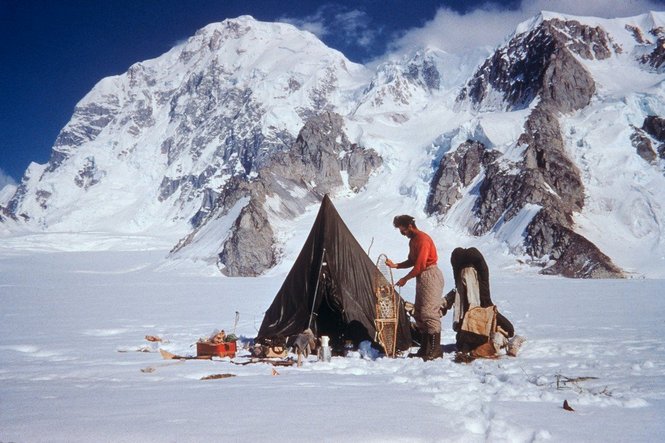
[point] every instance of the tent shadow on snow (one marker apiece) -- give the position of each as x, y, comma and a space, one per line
332, 282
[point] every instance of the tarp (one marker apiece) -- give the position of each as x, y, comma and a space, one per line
333, 268
460, 259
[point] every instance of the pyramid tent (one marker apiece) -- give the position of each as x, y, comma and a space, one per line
330, 288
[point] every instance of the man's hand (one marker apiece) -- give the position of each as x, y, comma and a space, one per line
443, 310
390, 263
401, 282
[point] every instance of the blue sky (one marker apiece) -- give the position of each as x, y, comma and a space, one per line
53, 52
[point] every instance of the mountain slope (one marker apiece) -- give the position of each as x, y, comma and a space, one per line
550, 148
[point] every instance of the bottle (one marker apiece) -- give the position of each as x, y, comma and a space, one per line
324, 354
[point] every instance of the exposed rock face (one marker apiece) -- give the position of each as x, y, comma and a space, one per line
89, 175
5, 214
539, 64
649, 141
656, 57
248, 251
655, 126
546, 155
545, 177
574, 255
322, 151
643, 146
456, 171
638, 35
311, 167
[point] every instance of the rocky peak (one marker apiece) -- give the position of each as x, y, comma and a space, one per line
399, 82
589, 42
421, 69
540, 63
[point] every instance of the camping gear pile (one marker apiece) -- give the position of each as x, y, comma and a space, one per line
335, 301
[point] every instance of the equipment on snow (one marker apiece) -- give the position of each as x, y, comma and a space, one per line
386, 319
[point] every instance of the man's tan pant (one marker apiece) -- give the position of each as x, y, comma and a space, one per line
429, 289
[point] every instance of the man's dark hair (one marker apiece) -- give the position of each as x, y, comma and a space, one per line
404, 221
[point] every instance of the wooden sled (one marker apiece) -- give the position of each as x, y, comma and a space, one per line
166, 355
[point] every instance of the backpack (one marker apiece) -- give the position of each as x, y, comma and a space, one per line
475, 334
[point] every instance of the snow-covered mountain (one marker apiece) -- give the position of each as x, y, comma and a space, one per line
550, 148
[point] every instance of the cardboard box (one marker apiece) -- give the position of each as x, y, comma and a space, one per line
227, 349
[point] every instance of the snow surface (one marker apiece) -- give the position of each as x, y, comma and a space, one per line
72, 322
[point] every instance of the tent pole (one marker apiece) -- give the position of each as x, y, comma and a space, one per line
316, 289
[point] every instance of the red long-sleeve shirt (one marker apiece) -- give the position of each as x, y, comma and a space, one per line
422, 253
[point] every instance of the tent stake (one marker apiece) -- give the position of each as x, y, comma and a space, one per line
316, 289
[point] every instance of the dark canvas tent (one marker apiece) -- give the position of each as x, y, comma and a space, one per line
331, 282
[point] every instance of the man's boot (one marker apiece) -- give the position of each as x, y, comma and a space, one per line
424, 346
434, 350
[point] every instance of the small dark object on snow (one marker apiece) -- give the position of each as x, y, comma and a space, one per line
566, 406
217, 376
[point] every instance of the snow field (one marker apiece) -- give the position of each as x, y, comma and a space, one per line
72, 322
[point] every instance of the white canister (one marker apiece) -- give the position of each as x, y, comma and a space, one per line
324, 353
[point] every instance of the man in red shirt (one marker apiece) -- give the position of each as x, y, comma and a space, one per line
429, 285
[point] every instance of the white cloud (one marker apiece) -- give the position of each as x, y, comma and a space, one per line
5, 179
312, 23
490, 26
355, 25
350, 25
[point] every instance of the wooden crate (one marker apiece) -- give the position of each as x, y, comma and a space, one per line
227, 349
